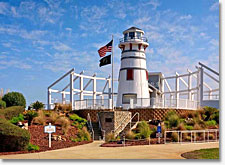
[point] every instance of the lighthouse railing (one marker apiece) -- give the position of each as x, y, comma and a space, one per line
133, 38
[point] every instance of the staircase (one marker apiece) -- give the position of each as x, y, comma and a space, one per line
97, 131
126, 124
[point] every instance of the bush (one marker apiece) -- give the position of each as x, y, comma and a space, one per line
15, 120
130, 135
11, 112
209, 113
84, 135
172, 119
110, 137
188, 127
211, 123
13, 138
53, 117
30, 115
14, 99
197, 127
181, 127
40, 119
37, 105
32, 147
63, 107
2, 104
174, 136
64, 123
78, 121
143, 130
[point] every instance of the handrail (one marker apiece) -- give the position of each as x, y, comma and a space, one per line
122, 122
133, 117
91, 127
102, 130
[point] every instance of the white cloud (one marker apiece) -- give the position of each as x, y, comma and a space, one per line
154, 3
15, 63
215, 6
186, 17
61, 47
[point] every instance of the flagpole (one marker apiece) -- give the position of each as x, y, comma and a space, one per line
112, 71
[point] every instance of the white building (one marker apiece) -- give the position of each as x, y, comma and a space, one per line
133, 74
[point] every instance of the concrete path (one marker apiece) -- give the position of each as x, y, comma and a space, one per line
93, 151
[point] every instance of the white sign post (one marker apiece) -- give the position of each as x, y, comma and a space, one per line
49, 129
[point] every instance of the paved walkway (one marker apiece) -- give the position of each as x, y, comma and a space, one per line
93, 151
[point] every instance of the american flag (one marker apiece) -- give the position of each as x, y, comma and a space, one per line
107, 48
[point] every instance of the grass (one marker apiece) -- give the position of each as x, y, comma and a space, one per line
212, 153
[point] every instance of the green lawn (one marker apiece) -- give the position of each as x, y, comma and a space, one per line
212, 153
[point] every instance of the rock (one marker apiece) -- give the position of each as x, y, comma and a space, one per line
59, 138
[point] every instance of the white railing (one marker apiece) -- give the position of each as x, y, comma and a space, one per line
193, 136
138, 103
100, 126
90, 125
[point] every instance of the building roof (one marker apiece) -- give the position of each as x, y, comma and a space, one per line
133, 29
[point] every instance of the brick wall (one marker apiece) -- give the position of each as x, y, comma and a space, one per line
145, 114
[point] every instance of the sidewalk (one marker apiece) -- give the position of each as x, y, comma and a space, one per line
93, 151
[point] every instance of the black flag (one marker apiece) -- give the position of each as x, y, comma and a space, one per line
105, 61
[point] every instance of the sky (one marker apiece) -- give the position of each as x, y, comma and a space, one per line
41, 40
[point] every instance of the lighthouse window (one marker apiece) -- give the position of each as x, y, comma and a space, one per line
125, 36
130, 74
138, 35
127, 97
131, 35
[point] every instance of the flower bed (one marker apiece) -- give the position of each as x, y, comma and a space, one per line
132, 143
38, 137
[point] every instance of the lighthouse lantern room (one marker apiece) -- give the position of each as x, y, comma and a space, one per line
133, 75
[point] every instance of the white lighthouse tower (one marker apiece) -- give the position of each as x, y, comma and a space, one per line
133, 75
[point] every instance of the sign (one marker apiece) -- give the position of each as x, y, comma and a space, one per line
158, 135
49, 129
159, 130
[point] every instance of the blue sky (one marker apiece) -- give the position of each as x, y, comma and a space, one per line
41, 40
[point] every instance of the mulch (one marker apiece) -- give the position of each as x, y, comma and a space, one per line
38, 137
132, 143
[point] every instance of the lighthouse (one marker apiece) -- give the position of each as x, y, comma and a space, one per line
133, 75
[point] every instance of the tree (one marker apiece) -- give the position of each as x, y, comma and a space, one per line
14, 99
2, 104
37, 105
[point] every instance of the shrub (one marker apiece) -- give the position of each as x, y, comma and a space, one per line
181, 127
40, 119
172, 119
197, 127
211, 123
209, 113
32, 147
30, 115
83, 134
37, 105
64, 123
78, 121
15, 120
2, 104
53, 117
143, 130
216, 117
110, 137
11, 112
14, 99
130, 135
174, 136
188, 127
13, 138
